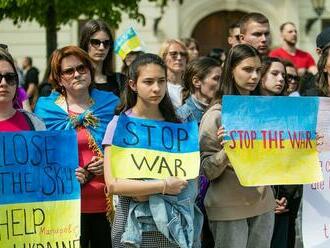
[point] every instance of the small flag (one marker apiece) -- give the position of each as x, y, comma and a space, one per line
127, 42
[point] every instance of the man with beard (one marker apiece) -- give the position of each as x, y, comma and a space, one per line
302, 60
254, 30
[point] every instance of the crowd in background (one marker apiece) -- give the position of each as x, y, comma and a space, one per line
80, 91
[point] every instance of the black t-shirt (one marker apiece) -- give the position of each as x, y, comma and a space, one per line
31, 77
116, 84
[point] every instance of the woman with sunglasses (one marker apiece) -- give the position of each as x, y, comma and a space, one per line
292, 79
175, 55
76, 105
97, 41
12, 119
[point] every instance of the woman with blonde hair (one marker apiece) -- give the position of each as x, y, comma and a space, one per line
175, 55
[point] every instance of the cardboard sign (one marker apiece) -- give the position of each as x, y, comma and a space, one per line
39, 192
316, 196
272, 140
154, 149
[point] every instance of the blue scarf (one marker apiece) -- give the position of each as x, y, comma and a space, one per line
53, 110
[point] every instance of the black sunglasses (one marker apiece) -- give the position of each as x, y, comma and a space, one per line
293, 77
97, 43
11, 78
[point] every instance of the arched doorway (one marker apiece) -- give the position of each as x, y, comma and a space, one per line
212, 31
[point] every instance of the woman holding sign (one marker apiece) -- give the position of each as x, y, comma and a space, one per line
145, 98
75, 104
11, 119
238, 216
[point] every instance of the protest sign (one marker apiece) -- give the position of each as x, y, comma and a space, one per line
39, 192
316, 196
272, 140
144, 148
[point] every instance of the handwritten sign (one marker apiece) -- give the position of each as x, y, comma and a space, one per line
39, 193
272, 140
316, 196
154, 149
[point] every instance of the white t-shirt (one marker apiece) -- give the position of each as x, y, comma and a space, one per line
174, 91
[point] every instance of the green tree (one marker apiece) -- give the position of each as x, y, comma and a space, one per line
51, 14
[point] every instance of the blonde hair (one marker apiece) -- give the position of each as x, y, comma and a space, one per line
166, 45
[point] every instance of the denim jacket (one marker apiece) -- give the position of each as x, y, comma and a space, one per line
176, 217
191, 110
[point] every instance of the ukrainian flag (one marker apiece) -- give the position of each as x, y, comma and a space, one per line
126, 43
272, 140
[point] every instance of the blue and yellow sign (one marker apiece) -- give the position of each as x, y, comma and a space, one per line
154, 149
272, 140
39, 192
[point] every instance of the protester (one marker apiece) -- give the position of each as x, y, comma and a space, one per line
201, 80
238, 216
145, 97
96, 39
302, 60
293, 79
175, 55
321, 87
234, 34
273, 77
31, 79
11, 119
218, 54
322, 39
130, 57
273, 83
192, 48
255, 31
76, 105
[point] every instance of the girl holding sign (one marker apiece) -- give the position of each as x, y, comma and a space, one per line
238, 216
11, 119
145, 97
76, 105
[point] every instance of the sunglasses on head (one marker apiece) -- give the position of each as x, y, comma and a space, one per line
175, 54
97, 43
11, 78
293, 77
69, 72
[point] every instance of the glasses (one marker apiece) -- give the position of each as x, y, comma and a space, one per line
96, 43
293, 78
69, 72
11, 78
175, 54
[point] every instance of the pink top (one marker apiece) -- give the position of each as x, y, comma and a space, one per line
15, 123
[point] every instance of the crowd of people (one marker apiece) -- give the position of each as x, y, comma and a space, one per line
80, 91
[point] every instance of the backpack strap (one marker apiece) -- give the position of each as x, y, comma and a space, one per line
28, 120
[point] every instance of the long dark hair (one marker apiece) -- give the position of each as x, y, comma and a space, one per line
235, 56
265, 66
90, 28
322, 76
129, 97
198, 68
6, 56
